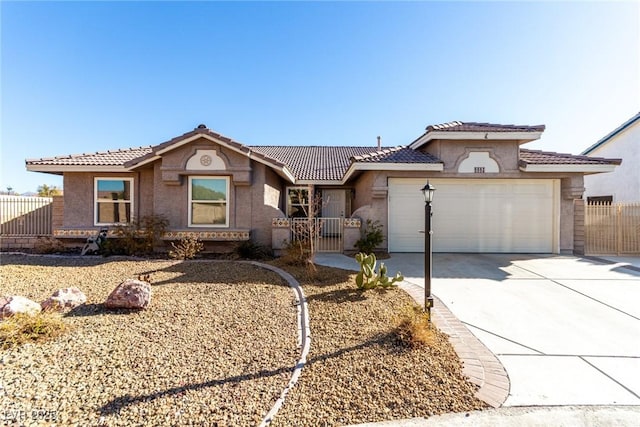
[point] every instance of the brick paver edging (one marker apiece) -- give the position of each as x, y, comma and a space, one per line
304, 335
479, 363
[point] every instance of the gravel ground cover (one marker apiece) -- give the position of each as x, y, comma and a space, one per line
216, 346
357, 372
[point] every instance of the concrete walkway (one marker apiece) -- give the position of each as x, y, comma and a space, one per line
566, 329
609, 416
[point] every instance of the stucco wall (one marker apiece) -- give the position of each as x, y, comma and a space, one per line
267, 191
623, 183
171, 182
161, 188
374, 204
79, 198
452, 153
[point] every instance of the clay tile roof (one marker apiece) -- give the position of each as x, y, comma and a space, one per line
105, 158
537, 157
313, 162
399, 154
457, 126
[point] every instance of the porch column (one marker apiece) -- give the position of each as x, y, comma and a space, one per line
351, 235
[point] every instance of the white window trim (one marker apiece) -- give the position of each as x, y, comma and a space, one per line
189, 209
288, 207
96, 200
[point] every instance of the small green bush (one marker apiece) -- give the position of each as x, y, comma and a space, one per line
371, 237
413, 327
22, 328
187, 248
368, 278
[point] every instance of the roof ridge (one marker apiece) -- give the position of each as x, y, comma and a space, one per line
445, 125
377, 153
496, 126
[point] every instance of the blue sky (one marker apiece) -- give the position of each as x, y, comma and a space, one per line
91, 76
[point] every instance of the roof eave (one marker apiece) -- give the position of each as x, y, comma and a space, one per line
520, 136
59, 169
318, 182
587, 169
411, 167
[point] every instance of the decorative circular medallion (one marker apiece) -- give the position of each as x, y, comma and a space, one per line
205, 160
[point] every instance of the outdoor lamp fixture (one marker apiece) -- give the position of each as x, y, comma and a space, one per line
428, 190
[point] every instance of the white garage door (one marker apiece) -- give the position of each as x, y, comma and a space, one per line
476, 215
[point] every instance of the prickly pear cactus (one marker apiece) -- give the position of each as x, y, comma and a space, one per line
367, 278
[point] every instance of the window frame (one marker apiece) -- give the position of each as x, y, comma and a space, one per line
190, 201
289, 205
97, 200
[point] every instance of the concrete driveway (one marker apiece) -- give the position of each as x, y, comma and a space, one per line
566, 329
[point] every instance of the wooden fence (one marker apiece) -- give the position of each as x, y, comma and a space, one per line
25, 216
612, 229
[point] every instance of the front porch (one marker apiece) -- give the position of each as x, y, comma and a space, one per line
329, 234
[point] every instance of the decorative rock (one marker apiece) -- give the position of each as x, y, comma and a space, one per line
130, 294
17, 304
63, 299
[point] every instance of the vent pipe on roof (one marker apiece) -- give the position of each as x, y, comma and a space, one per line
379, 143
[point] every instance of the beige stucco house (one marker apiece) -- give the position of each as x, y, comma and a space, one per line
623, 184
492, 195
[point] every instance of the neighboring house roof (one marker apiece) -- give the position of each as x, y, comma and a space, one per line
615, 132
476, 130
549, 161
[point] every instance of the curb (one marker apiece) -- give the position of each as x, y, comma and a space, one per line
304, 336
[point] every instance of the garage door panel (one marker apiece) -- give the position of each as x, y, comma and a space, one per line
474, 215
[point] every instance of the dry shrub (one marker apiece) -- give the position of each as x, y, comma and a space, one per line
297, 252
187, 248
22, 328
413, 328
48, 245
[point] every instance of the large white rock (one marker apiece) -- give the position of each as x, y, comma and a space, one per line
130, 294
64, 299
17, 304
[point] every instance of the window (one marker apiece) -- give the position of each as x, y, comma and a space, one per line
113, 200
297, 202
208, 201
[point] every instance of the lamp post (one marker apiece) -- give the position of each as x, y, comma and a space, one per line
427, 191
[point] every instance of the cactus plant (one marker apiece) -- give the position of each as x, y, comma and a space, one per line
367, 278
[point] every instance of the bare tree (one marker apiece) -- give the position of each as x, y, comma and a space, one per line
307, 226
